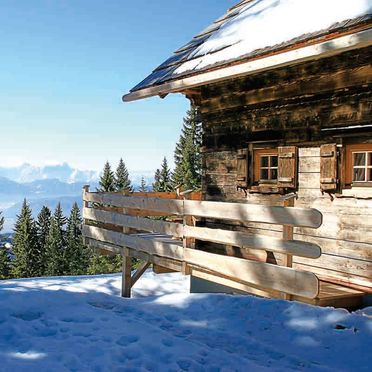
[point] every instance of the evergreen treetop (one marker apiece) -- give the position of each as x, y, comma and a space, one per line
143, 185
25, 247
107, 179
76, 254
122, 181
42, 229
4, 258
56, 244
187, 156
163, 178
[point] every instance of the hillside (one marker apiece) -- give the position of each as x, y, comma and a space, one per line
81, 324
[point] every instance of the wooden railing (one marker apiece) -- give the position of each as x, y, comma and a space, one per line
120, 223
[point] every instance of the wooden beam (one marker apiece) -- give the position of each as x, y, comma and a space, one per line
265, 275
262, 242
161, 269
152, 244
139, 272
339, 80
139, 223
126, 284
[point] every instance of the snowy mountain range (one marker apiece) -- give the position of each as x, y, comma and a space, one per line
62, 172
48, 185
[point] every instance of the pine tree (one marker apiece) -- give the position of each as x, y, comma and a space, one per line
100, 264
187, 155
143, 185
156, 184
76, 254
4, 258
122, 181
107, 179
56, 244
42, 228
163, 178
25, 246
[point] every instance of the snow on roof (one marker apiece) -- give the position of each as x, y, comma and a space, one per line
255, 27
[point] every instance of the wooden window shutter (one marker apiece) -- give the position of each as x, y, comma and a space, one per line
328, 167
287, 167
242, 169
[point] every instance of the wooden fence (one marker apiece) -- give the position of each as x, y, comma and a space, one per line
120, 223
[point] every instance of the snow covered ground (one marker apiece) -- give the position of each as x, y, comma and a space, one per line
81, 324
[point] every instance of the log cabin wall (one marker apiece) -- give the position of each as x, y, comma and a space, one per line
308, 105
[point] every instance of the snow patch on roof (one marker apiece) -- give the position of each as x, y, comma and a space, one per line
264, 23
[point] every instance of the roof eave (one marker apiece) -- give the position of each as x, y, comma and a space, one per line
324, 49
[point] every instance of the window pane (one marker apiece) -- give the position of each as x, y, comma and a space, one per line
274, 161
370, 158
359, 174
273, 174
359, 158
264, 174
264, 161
370, 175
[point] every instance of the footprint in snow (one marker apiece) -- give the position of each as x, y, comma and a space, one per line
77, 320
102, 305
28, 315
127, 340
167, 342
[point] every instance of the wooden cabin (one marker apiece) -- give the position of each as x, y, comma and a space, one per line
284, 93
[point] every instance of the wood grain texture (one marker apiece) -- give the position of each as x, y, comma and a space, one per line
265, 275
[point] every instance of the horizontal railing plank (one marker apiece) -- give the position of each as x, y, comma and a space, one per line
255, 212
293, 216
151, 244
139, 223
240, 239
172, 264
264, 275
171, 206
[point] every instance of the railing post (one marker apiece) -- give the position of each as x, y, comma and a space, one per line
187, 242
289, 201
126, 285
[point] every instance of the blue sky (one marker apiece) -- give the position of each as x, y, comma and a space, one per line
66, 64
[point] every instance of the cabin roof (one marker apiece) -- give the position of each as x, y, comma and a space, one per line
252, 30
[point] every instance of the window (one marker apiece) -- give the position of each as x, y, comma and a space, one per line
267, 170
266, 166
358, 170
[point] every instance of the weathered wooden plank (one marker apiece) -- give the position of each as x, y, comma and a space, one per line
337, 276
139, 223
156, 260
170, 206
315, 85
309, 165
336, 263
251, 212
304, 152
148, 243
269, 276
309, 181
240, 239
247, 212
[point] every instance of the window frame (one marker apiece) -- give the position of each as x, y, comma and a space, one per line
349, 166
257, 154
